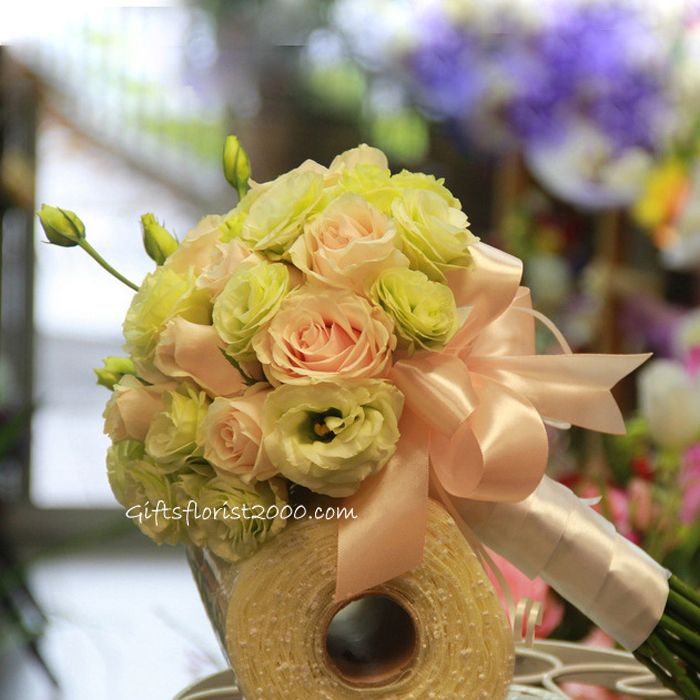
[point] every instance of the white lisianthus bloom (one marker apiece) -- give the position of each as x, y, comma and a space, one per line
249, 300
172, 438
329, 437
424, 312
140, 485
277, 215
420, 181
434, 235
232, 518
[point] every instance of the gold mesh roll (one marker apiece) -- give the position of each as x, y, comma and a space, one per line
436, 632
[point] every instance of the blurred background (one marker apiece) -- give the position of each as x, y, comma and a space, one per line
569, 130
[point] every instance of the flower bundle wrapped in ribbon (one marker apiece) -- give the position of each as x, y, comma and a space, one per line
342, 330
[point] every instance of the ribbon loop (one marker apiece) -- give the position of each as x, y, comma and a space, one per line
474, 418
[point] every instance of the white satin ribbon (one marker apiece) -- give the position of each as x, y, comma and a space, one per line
554, 535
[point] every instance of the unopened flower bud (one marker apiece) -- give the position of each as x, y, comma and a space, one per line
159, 244
61, 227
114, 369
236, 165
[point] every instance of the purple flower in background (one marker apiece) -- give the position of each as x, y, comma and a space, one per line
445, 69
599, 63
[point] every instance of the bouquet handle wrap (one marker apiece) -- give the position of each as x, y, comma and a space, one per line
553, 534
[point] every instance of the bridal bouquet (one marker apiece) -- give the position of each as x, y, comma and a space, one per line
342, 332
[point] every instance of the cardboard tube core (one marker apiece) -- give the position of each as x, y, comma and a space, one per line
371, 640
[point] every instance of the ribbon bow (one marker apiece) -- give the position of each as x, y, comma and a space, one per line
474, 415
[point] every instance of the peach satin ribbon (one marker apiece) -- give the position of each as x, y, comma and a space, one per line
474, 415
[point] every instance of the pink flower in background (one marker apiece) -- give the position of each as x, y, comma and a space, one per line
692, 360
580, 691
616, 507
522, 587
690, 481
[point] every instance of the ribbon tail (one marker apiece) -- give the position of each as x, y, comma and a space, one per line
386, 536
570, 388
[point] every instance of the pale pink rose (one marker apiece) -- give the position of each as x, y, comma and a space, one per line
348, 245
132, 407
223, 262
196, 247
230, 434
321, 334
194, 351
523, 587
362, 155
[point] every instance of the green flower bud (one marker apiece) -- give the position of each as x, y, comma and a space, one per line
61, 227
236, 165
159, 244
114, 369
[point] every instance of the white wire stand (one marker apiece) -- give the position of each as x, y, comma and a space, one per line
539, 673
551, 663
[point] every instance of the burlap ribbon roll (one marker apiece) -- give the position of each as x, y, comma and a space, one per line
436, 632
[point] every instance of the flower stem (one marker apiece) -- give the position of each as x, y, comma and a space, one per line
672, 651
681, 631
683, 652
679, 586
101, 261
675, 676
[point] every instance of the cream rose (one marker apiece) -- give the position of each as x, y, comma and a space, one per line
196, 247
225, 259
434, 236
322, 334
191, 350
230, 434
163, 295
329, 437
132, 407
348, 244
